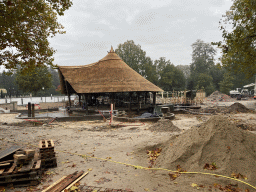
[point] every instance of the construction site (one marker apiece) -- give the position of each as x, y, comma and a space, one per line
123, 133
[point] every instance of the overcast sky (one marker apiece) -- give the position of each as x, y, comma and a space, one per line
163, 28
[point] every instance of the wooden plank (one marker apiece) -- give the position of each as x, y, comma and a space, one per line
4, 164
9, 161
38, 164
52, 143
65, 182
78, 179
55, 183
9, 151
1, 171
40, 144
46, 144
11, 169
26, 168
70, 180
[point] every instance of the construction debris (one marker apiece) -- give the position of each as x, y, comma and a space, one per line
100, 189
8, 153
22, 170
64, 182
20, 167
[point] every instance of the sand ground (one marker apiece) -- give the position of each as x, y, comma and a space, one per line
126, 144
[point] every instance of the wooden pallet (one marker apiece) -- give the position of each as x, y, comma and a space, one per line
28, 175
47, 154
46, 144
49, 163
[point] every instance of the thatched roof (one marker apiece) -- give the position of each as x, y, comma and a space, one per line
110, 74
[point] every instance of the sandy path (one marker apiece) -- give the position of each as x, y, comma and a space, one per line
75, 137
125, 144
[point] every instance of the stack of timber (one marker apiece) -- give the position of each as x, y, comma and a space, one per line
66, 182
47, 154
100, 189
21, 170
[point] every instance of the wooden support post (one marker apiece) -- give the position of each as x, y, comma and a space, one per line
111, 113
29, 109
130, 105
68, 94
154, 98
138, 102
69, 100
79, 97
33, 110
86, 104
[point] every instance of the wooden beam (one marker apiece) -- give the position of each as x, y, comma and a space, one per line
55, 183
78, 179
65, 182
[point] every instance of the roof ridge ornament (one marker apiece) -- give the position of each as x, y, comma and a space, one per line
111, 50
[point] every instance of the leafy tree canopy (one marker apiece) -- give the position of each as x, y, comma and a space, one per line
25, 28
203, 71
136, 58
239, 44
202, 57
204, 82
226, 84
37, 79
169, 77
132, 55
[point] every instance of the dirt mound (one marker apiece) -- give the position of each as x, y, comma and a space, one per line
218, 96
235, 108
218, 142
238, 107
164, 125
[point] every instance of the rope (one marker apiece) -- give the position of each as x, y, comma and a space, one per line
147, 168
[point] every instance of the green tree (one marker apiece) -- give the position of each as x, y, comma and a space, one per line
217, 73
25, 28
7, 81
136, 58
169, 77
202, 57
202, 68
204, 82
226, 84
35, 80
238, 45
186, 71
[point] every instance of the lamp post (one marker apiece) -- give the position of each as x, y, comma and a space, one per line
44, 93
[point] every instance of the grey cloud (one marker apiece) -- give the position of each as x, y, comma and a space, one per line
163, 28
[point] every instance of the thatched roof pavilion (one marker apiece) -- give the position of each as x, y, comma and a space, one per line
109, 75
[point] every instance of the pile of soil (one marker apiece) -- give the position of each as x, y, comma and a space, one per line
164, 125
238, 107
235, 108
218, 142
218, 96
